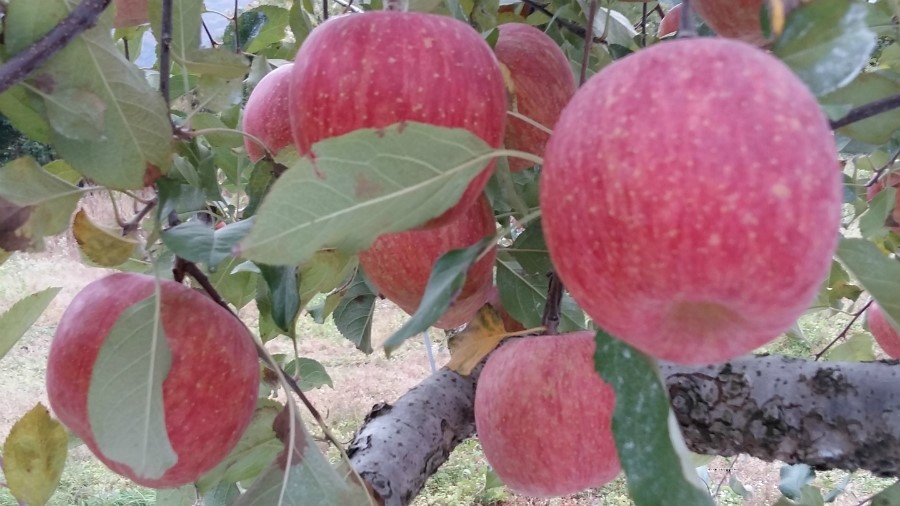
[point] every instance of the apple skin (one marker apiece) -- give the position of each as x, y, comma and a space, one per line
399, 264
376, 69
883, 331
543, 84
669, 23
734, 19
131, 13
209, 394
700, 221
892, 180
265, 113
544, 416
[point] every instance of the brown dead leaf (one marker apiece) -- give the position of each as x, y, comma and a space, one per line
479, 338
34, 455
103, 247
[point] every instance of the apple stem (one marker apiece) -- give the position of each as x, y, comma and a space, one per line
687, 25
396, 5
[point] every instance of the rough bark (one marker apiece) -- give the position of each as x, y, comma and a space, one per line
826, 414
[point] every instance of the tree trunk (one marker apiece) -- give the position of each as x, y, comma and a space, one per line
829, 415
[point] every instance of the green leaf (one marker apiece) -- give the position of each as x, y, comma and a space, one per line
16, 321
64, 171
34, 454
198, 242
186, 21
259, 27
325, 272
222, 495
76, 114
134, 358
310, 477
444, 283
826, 43
216, 63
858, 348
183, 496
137, 128
879, 275
25, 110
311, 373
284, 294
524, 296
353, 314
361, 185
301, 20
654, 458
237, 287
204, 120
794, 478
872, 222
256, 449
611, 24
890, 496
869, 87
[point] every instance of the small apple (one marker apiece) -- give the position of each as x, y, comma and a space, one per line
700, 221
265, 115
379, 68
399, 264
540, 84
883, 330
735, 19
209, 394
130, 13
670, 22
544, 416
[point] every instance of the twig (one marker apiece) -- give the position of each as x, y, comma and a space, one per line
727, 473
325, 9
237, 32
165, 43
550, 319
568, 25
862, 112
687, 25
846, 329
212, 41
135, 222
644, 25
588, 39
83, 17
881, 169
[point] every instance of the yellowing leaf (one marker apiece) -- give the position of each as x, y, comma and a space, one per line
104, 248
479, 338
33, 456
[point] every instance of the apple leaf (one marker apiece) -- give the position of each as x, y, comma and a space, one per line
186, 21
198, 242
16, 321
284, 294
222, 495
64, 171
183, 496
353, 314
361, 185
476, 341
879, 275
444, 283
524, 296
326, 271
77, 114
256, 449
612, 25
136, 126
651, 450
868, 87
237, 287
34, 454
310, 373
871, 222
826, 43
890, 496
259, 27
302, 475
134, 358
321, 311
102, 247
302, 21
794, 478
858, 348
25, 110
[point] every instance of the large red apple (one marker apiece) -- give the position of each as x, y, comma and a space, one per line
265, 115
700, 221
735, 19
130, 13
209, 394
670, 22
544, 416
883, 330
540, 81
399, 264
379, 68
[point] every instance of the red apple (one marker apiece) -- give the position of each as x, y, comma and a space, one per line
399, 264
265, 115
700, 221
669, 23
379, 68
544, 416
540, 82
891, 180
883, 330
735, 19
130, 13
209, 394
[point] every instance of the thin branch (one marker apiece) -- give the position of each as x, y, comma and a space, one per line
165, 42
644, 26
83, 17
568, 25
867, 111
237, 33
586, 57
325, 9
883, 168
212, 41
687, 25
845, 330
135, 222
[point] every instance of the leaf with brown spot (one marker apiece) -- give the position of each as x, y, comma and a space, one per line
34, 455
479, 338
102, 247
12, 220
282, 428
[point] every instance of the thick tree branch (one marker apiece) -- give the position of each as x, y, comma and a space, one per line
83, 17
827, 415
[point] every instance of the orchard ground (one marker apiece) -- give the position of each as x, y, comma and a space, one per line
360, 381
